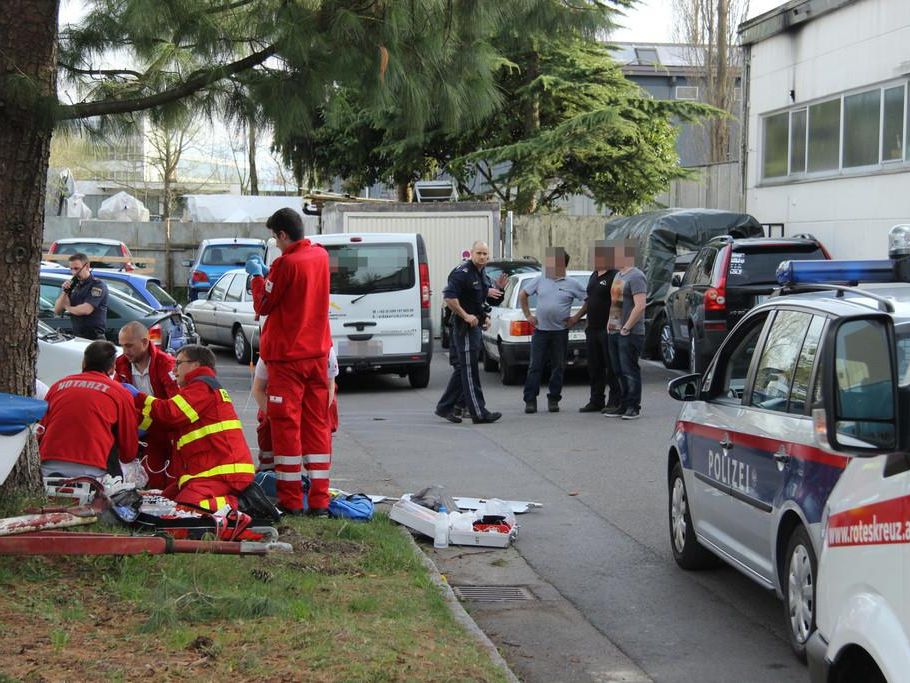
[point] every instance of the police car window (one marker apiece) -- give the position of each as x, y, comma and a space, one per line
803, 375
235, 289
48, 295
903, 355
736, 359
367, 268
777, 366
159, 293
217, 293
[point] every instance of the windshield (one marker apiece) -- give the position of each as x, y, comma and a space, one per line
759, 266
90, 249
230, 254
159, 293
367, 268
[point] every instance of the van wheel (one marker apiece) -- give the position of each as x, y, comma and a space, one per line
687, 551
419, 377
489, 364
243, 352
800, 572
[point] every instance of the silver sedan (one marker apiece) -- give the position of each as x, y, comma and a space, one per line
225, 316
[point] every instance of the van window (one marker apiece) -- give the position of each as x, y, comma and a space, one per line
230, 254
367, 268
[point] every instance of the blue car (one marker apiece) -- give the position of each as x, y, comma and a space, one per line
215, 257
145, 288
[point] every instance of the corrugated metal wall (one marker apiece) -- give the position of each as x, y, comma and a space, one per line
446, 235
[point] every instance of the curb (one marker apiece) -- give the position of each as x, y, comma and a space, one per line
461, 616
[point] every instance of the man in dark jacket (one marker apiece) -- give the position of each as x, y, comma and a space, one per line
600, 370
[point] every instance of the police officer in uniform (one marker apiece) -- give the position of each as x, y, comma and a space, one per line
84, 297
466, 293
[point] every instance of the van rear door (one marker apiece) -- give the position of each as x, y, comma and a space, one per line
374, 307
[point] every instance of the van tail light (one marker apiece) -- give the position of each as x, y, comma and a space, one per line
199, 276
520, 328
155, 334
424, 285
716, 297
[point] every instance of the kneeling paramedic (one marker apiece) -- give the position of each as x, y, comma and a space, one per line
213, 463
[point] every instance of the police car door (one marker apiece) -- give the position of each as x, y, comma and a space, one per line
771, 433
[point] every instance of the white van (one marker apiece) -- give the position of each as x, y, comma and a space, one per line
379, 307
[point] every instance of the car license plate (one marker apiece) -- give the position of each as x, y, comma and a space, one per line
576, 335
370, 347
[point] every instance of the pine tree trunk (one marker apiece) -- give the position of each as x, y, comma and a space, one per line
28, 35
254, 176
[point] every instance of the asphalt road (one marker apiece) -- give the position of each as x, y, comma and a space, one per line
601, 538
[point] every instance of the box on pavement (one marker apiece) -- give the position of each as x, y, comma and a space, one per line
423, 519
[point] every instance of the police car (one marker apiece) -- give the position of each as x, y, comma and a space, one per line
804, 383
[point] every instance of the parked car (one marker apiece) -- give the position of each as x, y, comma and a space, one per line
224, 315
215, 257
59, 354
493, 269
96, 248
803, 383
143, 288
507, 342
168, 329
727, 278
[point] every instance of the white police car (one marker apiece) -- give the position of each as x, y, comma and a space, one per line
803, 383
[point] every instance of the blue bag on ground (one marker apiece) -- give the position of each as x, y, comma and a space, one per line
356, 506
266, 481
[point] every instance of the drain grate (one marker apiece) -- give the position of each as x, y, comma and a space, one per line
493, 593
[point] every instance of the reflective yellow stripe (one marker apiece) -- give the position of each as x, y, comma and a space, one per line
238, 468
220, 502
147, 413
204, 504
225, 396
185, 408
205, 431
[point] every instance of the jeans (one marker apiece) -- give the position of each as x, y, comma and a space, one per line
600, 370
624, 354
546, 345
463, 388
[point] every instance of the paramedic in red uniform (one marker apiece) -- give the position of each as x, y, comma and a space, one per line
151, 371
295, 345
90, 422
212, 463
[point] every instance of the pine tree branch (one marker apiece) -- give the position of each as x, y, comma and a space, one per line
195, 82
98, 72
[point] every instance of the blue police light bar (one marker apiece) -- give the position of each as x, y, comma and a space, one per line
834, 272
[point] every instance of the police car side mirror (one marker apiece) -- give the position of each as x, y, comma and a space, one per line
859, 385
685, 388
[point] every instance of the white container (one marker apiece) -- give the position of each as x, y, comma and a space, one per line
441, 530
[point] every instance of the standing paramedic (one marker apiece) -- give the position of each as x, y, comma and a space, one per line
151, 371
295, 346
466, 295
90, 425
212, 464
84, 297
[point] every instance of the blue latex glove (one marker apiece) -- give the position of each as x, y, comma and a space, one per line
254, 266
130, 388
142, 433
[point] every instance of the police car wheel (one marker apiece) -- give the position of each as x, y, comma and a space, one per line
243, 352
800, 571
687, 551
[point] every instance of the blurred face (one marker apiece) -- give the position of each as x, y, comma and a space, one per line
183, 367
625, 256
555, 262
603, 257
480, 254
135, 347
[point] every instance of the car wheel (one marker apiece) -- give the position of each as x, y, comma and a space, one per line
669, 354
243, 352
508, 374
800, 571
687, 551
489, 364
419, 377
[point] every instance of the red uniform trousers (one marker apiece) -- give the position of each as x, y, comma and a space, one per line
210, 493
298, 412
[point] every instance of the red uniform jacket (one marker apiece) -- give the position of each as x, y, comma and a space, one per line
210, 441
161, 372
87, 415
295, 297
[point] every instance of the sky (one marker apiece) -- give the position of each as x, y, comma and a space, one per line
652, 20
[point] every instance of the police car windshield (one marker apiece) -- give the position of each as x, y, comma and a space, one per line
368, 268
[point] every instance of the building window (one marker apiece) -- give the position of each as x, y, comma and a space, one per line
892, 123
824, 136
862, 117
850, 131
775, 158
798, 141
646, 55
686, 92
